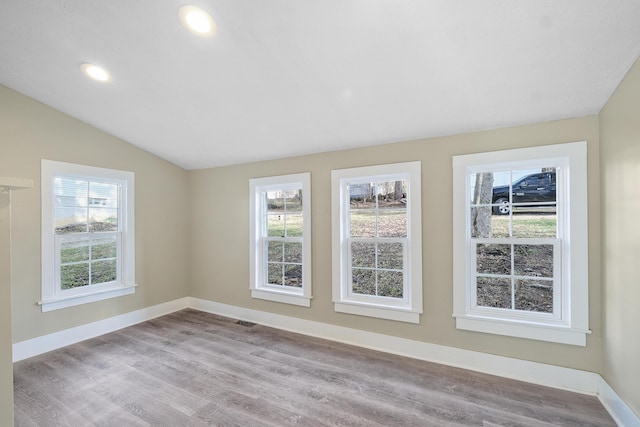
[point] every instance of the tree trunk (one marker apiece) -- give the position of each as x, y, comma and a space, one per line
397, 193
481, 215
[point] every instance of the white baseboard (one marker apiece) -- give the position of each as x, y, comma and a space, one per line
33, 347
537, 373
617, 408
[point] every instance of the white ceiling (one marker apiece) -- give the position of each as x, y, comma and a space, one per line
289, 77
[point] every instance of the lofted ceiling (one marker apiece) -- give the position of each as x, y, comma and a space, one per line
288, 77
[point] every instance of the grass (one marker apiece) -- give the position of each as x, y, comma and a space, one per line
285, 225
283, 274
85, 273
77, 270
529, 295
76, 253
524, 225
391, 223
284, 263
389, 283
377, 269
528, 260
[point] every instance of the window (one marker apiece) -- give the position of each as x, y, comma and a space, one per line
520, 243
377, 249
281, 239
87, 234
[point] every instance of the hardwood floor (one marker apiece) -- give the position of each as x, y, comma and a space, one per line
192, 368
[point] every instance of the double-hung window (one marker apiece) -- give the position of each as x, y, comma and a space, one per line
520, 243
377, 260
281, 238
87, 234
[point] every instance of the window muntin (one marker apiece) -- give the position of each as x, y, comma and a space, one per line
88, 234
521, 243
377, 265
281, 239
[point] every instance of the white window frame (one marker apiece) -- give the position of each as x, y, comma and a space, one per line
53, 297
570, 322
259, 287
409, 308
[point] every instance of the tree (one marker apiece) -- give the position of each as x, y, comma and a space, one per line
481, 215
397, 191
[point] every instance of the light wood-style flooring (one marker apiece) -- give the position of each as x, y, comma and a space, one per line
192, 368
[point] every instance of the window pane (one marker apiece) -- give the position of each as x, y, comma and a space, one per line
390, 284
103, 195
390, 255
71, 220
293, 252
363, 281
500, 195
70, 192
275, 225
535, 224
362, 223
533, 260
74, 275
361, 192
293, 275
534, 295
493, 292
104, 247
392, 223
481, 188
103, 271
103, 219
275, 202
274, 274
391, 194
534, 186
293, 225
293, 200
74, 250
483, 224
493, 259
363, 254
275, 251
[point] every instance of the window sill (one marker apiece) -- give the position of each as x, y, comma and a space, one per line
379, 312
280, 296
51, 304
540, 332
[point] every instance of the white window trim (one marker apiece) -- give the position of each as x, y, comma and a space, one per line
410, 308
573, 325
289, 295
54, 298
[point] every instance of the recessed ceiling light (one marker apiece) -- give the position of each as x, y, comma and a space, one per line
95, 72
197, 20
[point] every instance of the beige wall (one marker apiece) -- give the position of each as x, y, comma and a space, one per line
29, 132
620, 164
6, 368
219, 218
